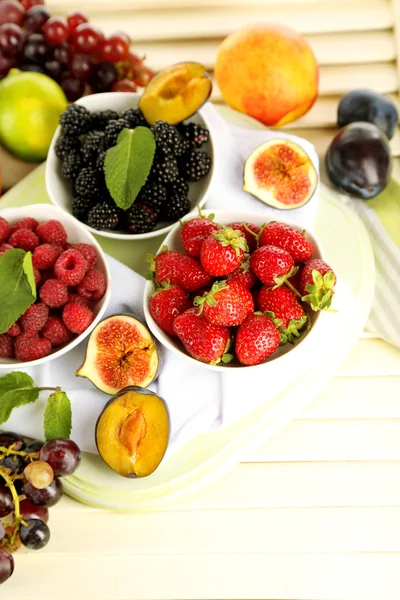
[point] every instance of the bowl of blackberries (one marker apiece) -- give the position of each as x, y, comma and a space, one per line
176, 182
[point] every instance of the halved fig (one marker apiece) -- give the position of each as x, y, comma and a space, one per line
120, 352
132, 432
176, 93
281, 174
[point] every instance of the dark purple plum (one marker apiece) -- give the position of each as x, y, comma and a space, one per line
358, 161
369, 106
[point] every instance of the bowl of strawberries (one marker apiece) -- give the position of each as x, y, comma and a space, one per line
55, 284
230, 290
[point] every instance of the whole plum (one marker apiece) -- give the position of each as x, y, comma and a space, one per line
369, 106
358, 160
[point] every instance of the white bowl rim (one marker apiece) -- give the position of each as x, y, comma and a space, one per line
233, 216
111, 234
54, 212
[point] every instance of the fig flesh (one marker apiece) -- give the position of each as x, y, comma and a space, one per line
369, 106
176, 93
358, 160
281, 174
120, 352
132, 432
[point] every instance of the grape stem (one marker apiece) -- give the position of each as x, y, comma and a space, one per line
7, 451
18, 519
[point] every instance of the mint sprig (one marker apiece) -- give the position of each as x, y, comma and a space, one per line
17, 286
127, 165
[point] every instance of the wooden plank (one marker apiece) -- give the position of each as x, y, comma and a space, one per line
330, 576
362, 47
184, 23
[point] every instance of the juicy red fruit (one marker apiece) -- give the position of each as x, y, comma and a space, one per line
62, 455
29, 346
56, 30
70, 267
223, 251
75, 19
87, 38
11, 11
288, 238
228, 303
115, 48
77, 317
166, 304
194, 232
270, 263
11, 39
244, 228
256, 339
4, 230
179, 269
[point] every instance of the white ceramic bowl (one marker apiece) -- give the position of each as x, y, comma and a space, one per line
59, 189
77, 233
285, 355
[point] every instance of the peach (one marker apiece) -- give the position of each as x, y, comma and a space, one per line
268, 72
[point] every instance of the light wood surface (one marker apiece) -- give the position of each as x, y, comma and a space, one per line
315, 513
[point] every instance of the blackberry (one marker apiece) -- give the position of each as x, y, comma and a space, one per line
113, 130
195, 134
195, 165
168, 139
65, 145
101, 119
87, 183
134, 117
141, 219
81, 207
92, 145
164, 169
103, 216
176, 208
100, 162
153, 195
76, 120
179, 186
71, 166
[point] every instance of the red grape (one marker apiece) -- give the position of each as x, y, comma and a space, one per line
53, 68
35, 534
62, 455
11, 11
27, 4
35, 18
76, 18
11, 39
7, 439
6, 566
87, 38
6, 64
134, 59
102, 77
6, 501
73, 87
29, 510
56, 30
61, 53
115, 47
47, 497
80, 65
36, 50
142, 75
124, 85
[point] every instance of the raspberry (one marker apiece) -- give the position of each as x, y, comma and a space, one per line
29, 346
77, 317
37, 276
4, 230
5, 247
54, 293
15, 329
52, 232
93, 285
56, 332
88, 252
6, 346
45, 276
45, 256
76, 299
70, 267
25, 223
24, 239
35, 317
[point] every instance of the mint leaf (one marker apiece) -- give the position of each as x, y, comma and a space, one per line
17, 286
128, 164
57, 416
16, 389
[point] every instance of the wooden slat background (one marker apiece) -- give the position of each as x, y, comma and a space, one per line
314, 514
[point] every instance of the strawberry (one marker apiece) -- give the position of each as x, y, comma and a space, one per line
203, 340
243, 275
256, 339
251, 238
166, 303
281, 303
228, 303
286, 237
178, 269
272, 265
317, 283
223, 251
195, 231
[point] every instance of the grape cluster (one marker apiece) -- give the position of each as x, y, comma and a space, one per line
30, 486
70, 50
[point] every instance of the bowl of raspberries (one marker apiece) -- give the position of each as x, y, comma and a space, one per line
72, 283
178, 181
232, 290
